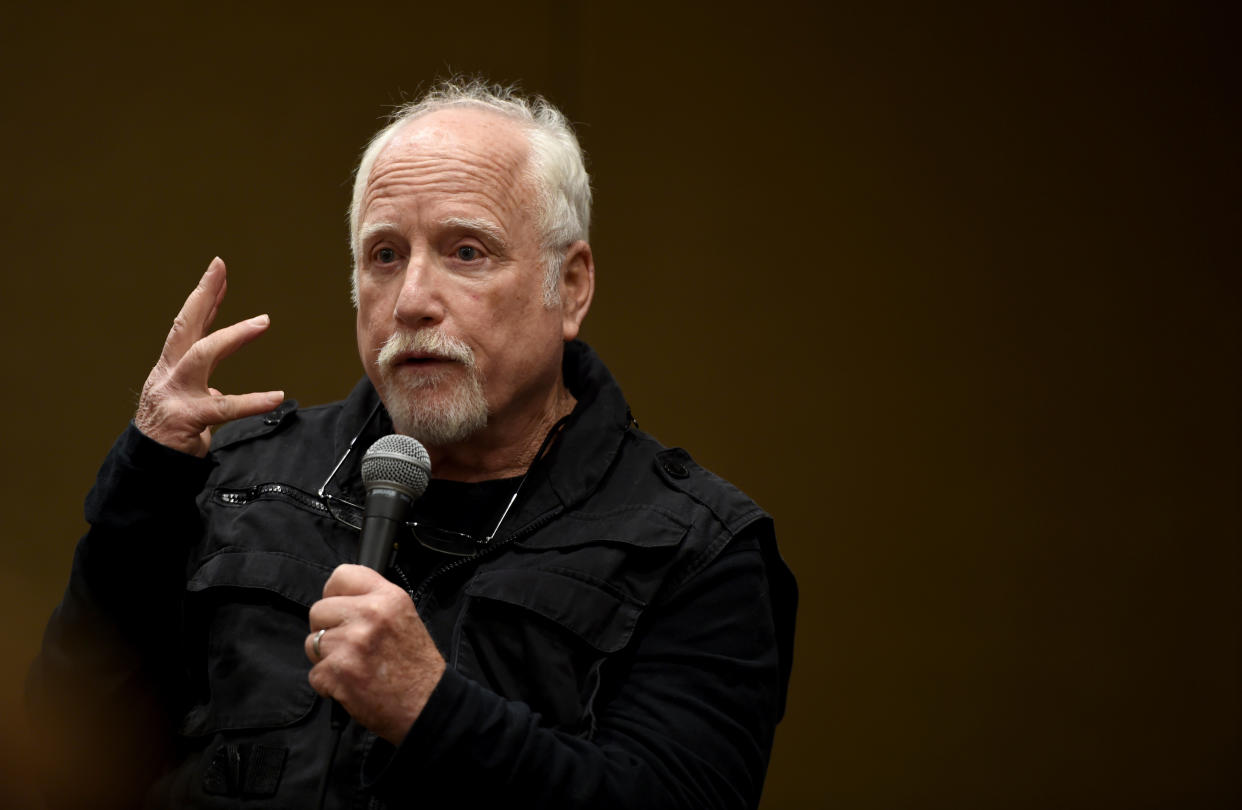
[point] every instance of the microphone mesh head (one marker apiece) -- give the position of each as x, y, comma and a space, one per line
400, 460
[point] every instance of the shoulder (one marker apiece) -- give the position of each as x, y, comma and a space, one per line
290, 422
673, 477
286, 418
284, 443
660, 502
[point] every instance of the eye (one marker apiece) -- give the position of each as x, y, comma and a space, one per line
385, 255
467, 253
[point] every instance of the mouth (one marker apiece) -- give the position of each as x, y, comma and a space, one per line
422, 360
424, 351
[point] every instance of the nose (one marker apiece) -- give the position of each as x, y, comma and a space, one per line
420, 301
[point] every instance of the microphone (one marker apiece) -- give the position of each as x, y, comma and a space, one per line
395, 471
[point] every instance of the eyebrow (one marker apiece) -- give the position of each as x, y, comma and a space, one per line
484, 226
374, 229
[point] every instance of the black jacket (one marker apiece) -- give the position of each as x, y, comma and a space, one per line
624, 642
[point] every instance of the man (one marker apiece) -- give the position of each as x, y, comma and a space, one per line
577, 616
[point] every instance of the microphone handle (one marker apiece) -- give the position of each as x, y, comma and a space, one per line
385, 513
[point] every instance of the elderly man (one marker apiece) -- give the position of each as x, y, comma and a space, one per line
575, 616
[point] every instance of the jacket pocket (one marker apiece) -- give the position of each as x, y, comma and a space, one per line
540, 636
248, 609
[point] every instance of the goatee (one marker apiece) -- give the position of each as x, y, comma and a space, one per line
437, 407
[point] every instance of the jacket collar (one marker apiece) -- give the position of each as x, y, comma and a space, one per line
355, 411
585, 451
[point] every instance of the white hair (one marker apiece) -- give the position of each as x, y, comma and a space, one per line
555, 167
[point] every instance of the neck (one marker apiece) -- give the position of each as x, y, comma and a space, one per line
503, 450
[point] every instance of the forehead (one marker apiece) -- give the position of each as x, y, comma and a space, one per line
468, 156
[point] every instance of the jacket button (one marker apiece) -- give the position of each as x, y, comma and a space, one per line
676, 470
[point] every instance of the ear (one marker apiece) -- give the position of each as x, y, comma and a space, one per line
577, 287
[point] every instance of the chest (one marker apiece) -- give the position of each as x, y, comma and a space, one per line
535, 619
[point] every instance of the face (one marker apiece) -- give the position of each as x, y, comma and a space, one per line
452, 326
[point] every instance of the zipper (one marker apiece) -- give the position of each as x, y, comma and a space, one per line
405, 581
276, 492
284, 492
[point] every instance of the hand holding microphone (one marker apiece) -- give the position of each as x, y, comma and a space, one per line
374, 656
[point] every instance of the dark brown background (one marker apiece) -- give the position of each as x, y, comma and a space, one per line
953, 293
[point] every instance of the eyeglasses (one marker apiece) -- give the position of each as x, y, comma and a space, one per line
445, 541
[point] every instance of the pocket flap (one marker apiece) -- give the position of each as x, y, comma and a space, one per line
642, 526
294, 579
593, 610
250, 608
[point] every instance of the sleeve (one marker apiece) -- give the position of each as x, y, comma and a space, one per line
108, 667
685, 719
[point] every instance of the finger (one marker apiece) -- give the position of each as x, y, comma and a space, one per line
353, 580
320, 681
309, 647
201, 359
188, 326
332, 611
220, 408
215, 306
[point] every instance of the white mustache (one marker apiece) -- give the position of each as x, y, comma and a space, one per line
426, 341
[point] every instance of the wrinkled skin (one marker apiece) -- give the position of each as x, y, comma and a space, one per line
177, 408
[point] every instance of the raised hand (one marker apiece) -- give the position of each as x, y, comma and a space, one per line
177, 407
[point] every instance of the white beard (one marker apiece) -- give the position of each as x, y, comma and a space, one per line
437, 409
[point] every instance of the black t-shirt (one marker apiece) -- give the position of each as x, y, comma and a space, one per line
451, 507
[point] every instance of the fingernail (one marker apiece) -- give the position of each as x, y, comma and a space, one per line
260, 320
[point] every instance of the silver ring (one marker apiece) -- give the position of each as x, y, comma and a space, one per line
315, 643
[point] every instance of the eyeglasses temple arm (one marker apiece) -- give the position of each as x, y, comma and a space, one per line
547, 440
503, 515
348, 449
